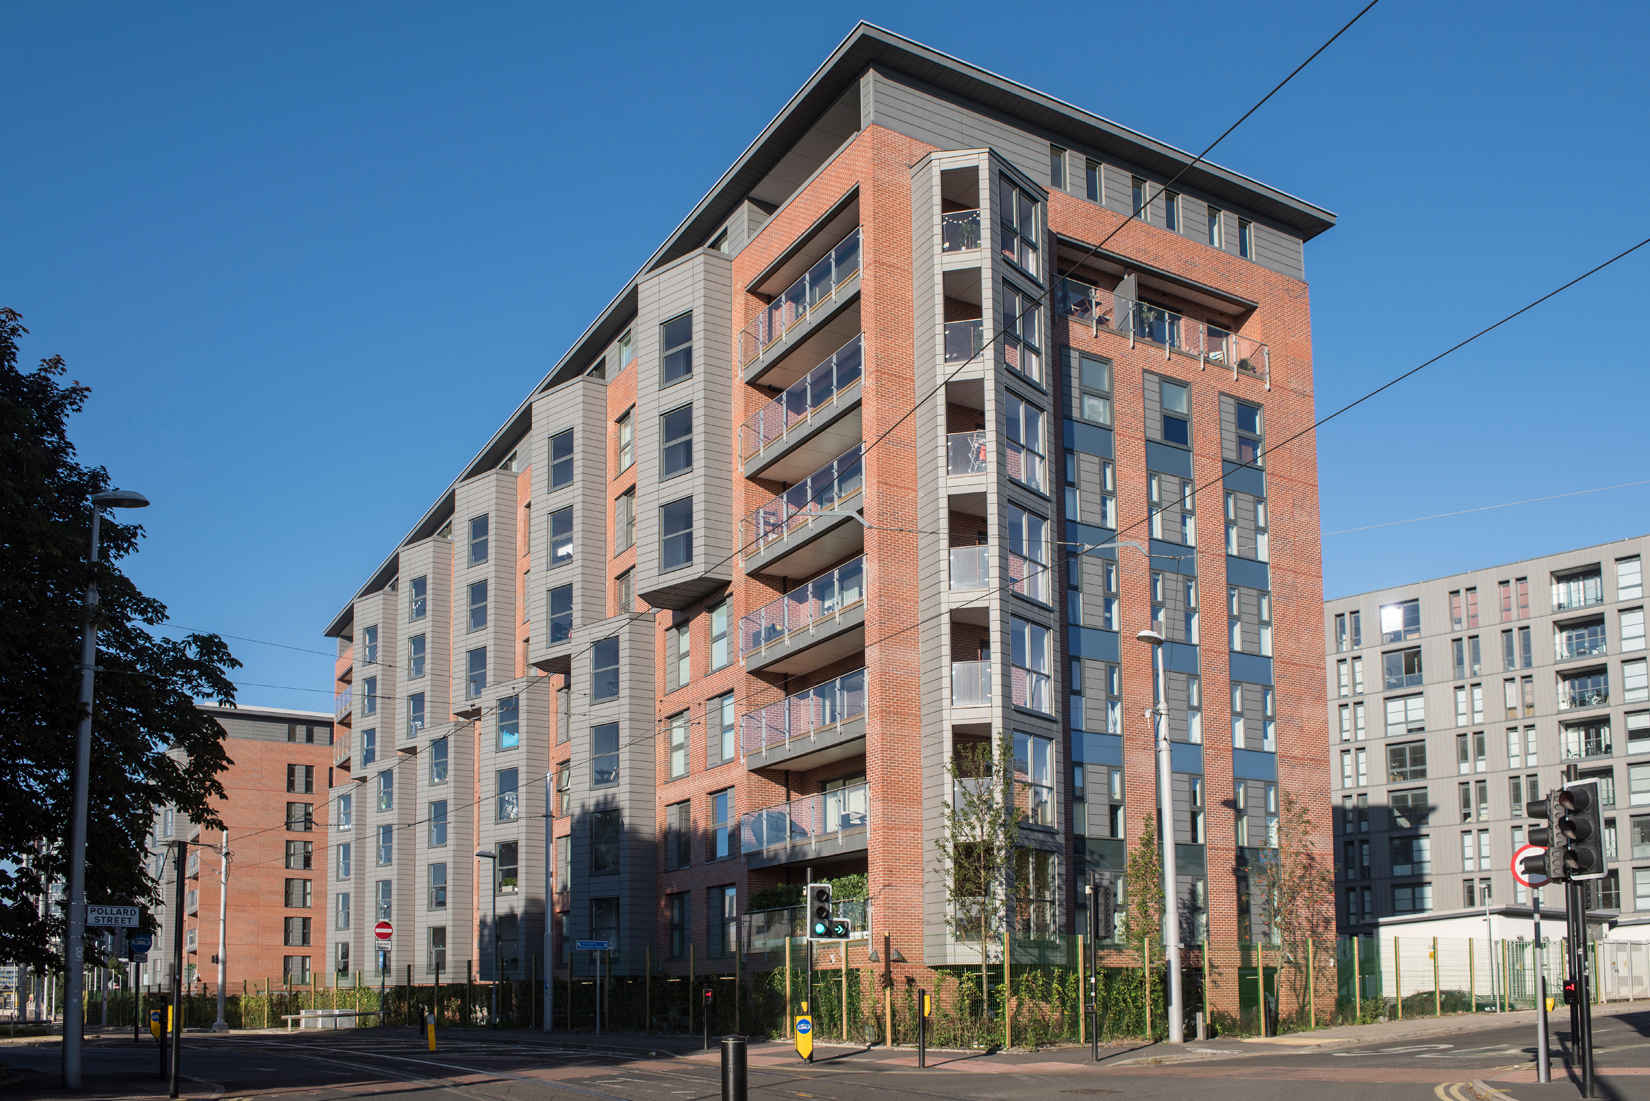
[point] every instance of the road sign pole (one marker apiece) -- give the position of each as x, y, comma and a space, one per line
177, 969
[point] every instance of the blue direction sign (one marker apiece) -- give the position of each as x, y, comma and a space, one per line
592, 945
142, 942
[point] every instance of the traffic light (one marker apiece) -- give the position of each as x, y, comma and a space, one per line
1570, 997
1551, 862
1104, 910
819, 909
839, 930
1579, 823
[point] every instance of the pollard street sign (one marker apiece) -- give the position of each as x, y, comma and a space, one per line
117, 916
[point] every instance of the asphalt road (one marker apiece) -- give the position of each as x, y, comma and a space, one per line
1491, 1064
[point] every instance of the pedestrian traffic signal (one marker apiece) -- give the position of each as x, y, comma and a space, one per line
1570, 992
1580, 825
1551, 862
1104, 909
819, 909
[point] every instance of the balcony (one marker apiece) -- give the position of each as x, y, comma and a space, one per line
341, 701
970, 568
970, 684
810, 626
965, 453
1587, 741
809, 525
817, 417
1590, 692
964, 340
1585, 643
1177, 334
794, 312
960, 231
814, 827
826, 723
1578, 592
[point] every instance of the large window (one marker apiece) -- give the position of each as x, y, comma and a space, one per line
1400, 622
369, 645
604, 669
1034, 778
719, 738
475, 672
1019, 222
604, 755
1414, 898
346, 815
606, 829
676, 534
1094, 391
478, 540
1411, 855
1026, 444
721, 922
1405, 715
1028, 568
1249, 434
438, 824
386, 790
624, 521
561, 459
561, 537
415, 657
1403, 668
418, 598
386, 845
560, 604
478, 605
721, 825
438, 887
678, 745
1022, 350
1177, 413
720, 652
1410, 808
508, 794
1406, 762
509, 722
438, 761
678, 835
677, 907
676, 349
676, 442
1629, 578
1029, 646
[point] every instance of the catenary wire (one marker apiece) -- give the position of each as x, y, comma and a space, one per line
1487, 508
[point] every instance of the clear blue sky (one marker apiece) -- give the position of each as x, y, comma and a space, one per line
308, 256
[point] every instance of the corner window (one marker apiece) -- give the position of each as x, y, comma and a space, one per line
676, 534
604, 669
676, 344
478, 605
560, 604
561, 459
604, 755
1026, 448
678, 745
369, 696
438, 824
478, 540
1019, 221
624, 592
415, 714
509, 855
438, 901
676, 442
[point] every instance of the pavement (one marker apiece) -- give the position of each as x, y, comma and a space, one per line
1490, 1057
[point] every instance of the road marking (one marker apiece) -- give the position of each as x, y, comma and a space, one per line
1407, 1050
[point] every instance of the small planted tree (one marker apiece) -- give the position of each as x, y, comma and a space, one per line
1142, 914
1294, 888
976, 847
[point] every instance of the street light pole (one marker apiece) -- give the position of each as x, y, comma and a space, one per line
549, 902
1165, 799
74, 948
489, 854
221, 1025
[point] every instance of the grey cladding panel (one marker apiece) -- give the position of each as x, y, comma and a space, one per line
1278, 251
1117, 190
930, 115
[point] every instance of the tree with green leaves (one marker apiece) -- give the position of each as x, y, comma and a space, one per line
1295, 890
146, 686
1143, 908
976, 844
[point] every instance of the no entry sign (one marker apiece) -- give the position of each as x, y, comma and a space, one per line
383, 930
1533, 879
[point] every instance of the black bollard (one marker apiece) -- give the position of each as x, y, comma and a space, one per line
733, 1068
922, 1030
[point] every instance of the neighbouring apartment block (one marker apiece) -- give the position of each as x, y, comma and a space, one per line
1454, 702
923, 412
274, 812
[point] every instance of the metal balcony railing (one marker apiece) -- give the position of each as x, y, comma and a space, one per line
964, 340
1578, 592
808, 820
1591, 643
793, 306
804, 606
1591, 743
965, 453
832, 486
970, 683
821, 387
804, 715
970, 567
341, 701
959, 231
1591, 695
1207, 343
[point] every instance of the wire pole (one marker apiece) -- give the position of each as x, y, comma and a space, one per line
221, 1025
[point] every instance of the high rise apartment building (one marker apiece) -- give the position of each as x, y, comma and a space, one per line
1455, 701
795, 519
275, 813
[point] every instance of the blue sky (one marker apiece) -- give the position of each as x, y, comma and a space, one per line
308, 256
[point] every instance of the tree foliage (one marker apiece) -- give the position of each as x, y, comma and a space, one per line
146, 686
1143, 910
976, 846
1295, 889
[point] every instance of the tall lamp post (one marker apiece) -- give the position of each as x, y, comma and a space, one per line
1165, 799
74, 941
489, 854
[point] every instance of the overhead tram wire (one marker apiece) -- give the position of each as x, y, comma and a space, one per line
1254, 464
1040, 299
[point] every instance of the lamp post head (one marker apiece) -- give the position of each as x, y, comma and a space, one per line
1150, 636
120, 498
486, 854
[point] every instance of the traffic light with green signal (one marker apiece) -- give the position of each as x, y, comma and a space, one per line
819, 910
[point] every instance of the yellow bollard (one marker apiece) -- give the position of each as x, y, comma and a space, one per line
429, 1029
